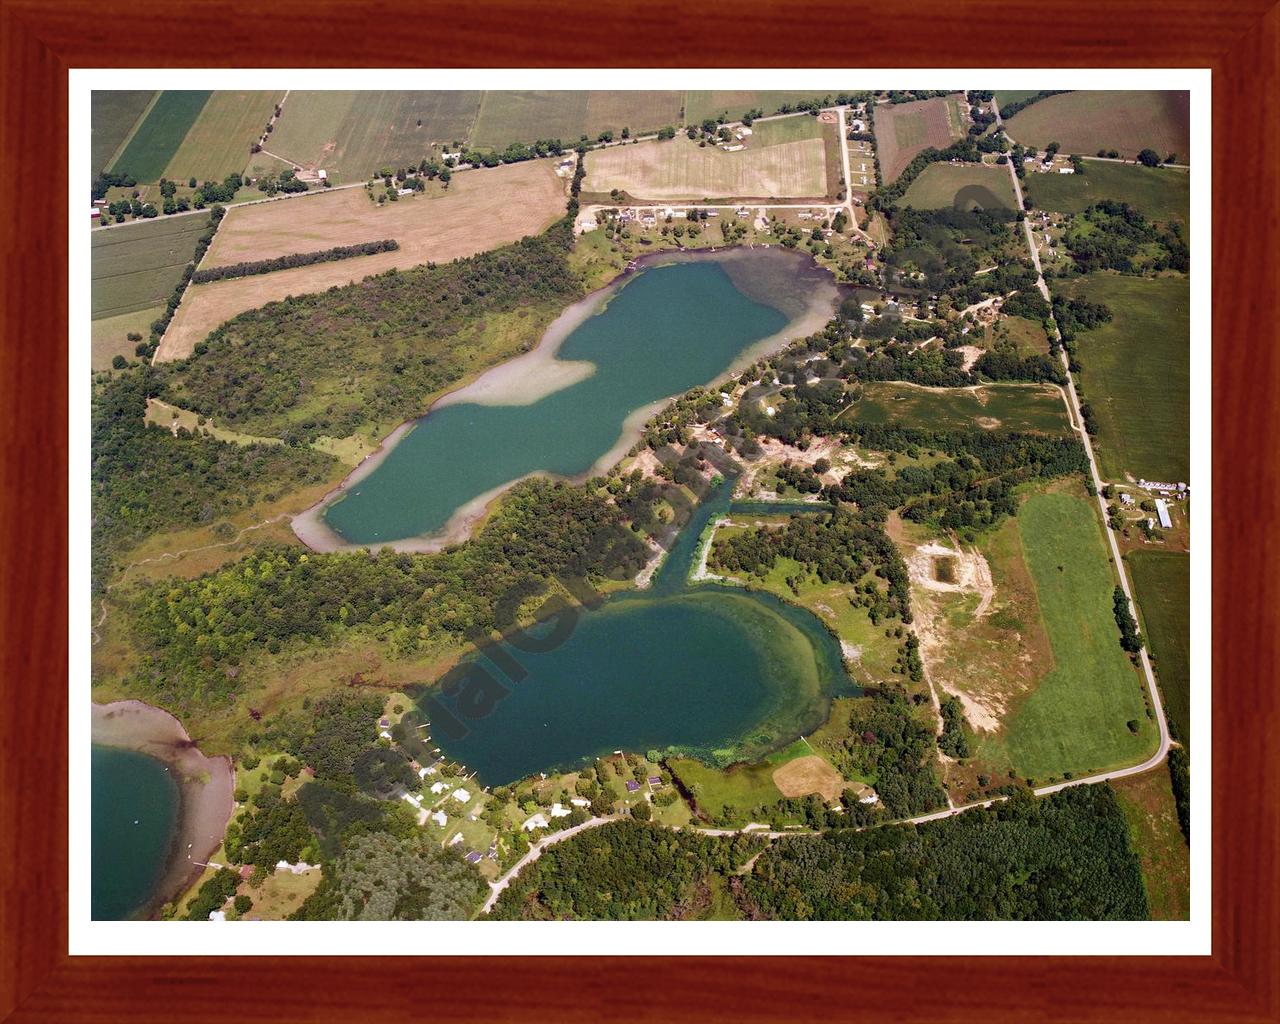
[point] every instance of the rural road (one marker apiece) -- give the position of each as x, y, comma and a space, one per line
235, 206
535, 851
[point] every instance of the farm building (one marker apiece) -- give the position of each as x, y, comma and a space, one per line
1162, 511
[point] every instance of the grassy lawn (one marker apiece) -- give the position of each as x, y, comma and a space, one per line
1162, 587
963, 186
160, 134
701, 104
218, 143
1085, 121
735, 791
137, 266
110, 335
113, 113
1075, 718
1028, 407
1162, 194
1028, 335
1147, 802
1137, 375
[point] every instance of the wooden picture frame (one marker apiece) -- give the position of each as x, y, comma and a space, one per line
39, 981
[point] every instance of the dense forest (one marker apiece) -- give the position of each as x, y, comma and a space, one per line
372, 353
196, 634
145, 478
1062, 857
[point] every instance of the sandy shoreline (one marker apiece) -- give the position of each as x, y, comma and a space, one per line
205, 785
531, 376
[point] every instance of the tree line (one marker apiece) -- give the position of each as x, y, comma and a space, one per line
297, 259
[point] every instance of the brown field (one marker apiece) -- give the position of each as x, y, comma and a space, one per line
906, 129
1085, 121
482, 209
1147, 801
110, 335
807, 775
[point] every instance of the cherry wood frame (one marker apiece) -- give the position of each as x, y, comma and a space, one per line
39, 41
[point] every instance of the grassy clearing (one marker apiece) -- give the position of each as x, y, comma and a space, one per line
1075, 720
352, 134
482, 209
1163, 194
113, 113
1162, 585
962, 186
681, 169
1086, 121
506, 117
1147, 802
137, 266
1137, 375
905, 129
280, 894
1028, 335
1014, 96
110, 335
1023, 407
727, 792
701, 104
160, 134
218, 143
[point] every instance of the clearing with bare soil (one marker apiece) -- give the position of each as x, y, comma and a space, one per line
807, 775
481, 210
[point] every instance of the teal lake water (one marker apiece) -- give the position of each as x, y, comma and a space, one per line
718, 672
135, 812
667, 329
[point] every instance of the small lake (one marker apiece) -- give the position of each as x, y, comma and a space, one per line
718, 672
577, 403
135, 814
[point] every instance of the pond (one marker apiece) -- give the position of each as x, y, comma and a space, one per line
717, 672
576, 403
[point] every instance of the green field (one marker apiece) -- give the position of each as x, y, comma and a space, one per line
136, 266
110, 336
699, 105
1162, 588
719, 792
113, 113
1075, 718
352, 134
1149, 810
507, 117
1003, 98
1029, 407
1086, 121
218, 143
1137, 375
962, 186
161, 133
1163, 194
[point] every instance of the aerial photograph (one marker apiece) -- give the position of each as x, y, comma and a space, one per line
639, 505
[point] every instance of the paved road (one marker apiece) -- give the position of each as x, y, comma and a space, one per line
1073, 407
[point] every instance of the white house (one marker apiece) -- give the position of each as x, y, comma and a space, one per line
579, 801
539, 820
461, 795
1066, 170
440, 818
322, 174
424, 772
439, 787
557, 811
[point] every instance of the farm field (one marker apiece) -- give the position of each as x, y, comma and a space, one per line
160, 134
1086, 121
1004, 97
1074, 720
680, 169
905, 129
137, 266
1136, 375
218, 143
113, 113
1162, 589
1149, 809
701, 104
507, 117
1030, 407
352, 134
1028, 335
1162, 194
962, 187
481, 210
109, 335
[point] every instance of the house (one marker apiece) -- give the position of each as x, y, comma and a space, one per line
95, 213
322, 175
301, 868
217, 915
744, 131
1066, 170
384, 722
440, 818
385, 735
473, 857
404, 192
655, 780
579, 801
424, 772
539, 820
587, 224
1162, 510
733, 148
461, 795
412, 799
1126, 499
439, 787
632, 786
557, 811
806, 215
457, 838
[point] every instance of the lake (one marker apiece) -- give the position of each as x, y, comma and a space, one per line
577, 403
135, 814
717, 672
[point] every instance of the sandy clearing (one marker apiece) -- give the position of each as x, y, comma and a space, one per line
807, 775
972, 573
482, 209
